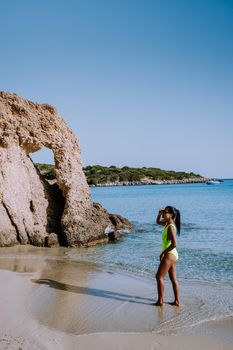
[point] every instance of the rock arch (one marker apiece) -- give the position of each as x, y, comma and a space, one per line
24, 195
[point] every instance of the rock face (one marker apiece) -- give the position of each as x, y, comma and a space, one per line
31, 210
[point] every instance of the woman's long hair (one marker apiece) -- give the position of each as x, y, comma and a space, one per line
175, 216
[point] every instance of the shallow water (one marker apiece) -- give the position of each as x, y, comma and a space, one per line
205, 244
81, 297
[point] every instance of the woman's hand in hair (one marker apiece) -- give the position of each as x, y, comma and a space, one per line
160, 221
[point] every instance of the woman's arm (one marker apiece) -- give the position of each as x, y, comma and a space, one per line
171, 236
159, 220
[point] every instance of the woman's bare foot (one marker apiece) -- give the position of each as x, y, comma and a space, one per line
159, 303
175, 303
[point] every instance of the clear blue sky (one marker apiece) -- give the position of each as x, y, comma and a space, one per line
141, 83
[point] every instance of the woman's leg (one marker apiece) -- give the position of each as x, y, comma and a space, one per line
164, 267
175, 285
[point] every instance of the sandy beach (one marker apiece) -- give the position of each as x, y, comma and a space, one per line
50, 302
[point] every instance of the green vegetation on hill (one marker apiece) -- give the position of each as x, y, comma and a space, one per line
45, 168
98, 174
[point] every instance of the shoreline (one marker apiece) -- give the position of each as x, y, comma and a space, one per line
145, 182
61, 304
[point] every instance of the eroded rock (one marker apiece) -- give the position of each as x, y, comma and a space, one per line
32, 210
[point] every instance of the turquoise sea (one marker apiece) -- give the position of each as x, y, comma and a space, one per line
205, 245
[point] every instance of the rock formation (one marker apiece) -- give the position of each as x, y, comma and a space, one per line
31, 210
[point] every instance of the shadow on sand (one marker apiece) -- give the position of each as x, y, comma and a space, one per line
95, 292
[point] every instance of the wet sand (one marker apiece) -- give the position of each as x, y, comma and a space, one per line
50, 302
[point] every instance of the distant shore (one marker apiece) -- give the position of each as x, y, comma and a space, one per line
146, 181
102, 176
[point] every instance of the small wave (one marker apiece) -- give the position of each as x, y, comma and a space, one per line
201, 303
144, 227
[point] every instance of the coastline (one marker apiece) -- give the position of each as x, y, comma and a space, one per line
50, 302
147, 181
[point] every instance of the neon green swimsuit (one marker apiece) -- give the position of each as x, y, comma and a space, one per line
166, 243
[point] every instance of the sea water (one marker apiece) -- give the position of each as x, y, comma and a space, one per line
205, 245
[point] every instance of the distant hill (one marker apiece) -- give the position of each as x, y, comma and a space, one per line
98, 175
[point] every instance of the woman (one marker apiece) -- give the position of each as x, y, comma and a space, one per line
170, 219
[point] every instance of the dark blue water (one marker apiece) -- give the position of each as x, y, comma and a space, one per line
206, 242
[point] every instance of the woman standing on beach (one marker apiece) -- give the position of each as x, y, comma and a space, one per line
170, 219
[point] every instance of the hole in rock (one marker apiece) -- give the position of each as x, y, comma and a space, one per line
44, 163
